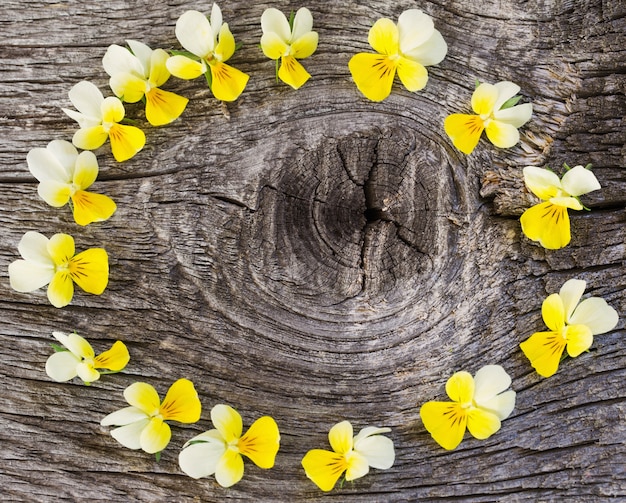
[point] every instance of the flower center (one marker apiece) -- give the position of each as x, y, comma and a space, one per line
233, 445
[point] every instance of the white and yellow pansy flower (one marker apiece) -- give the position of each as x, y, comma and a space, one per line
99, 118
289, 42
572, 325
406, 48
79, 359
65, 175
219, 451
548, 222
496, 113
140, 72
53, 262
352, 455
212, 44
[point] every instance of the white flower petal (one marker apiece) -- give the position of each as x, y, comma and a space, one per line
216, 21
122, 417
34, 246
61, 366
414, 29
501, 405
430, 52
200, 460
579, 180
87, 99
489, 381
596, 314
83, 120
302, 24
118, 59
367, 432
194, 33
378, 450
64, 152
129, 435
143, 53
43, 165
516, 116
506, 90
541, 181
274, 21
570, 293
28, 275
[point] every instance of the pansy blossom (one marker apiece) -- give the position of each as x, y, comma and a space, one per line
289, 42
572, 326
478, 403
100, 118
548, 222
65, 175
142, 425
352, 455
53, 262
211, 44
77, 358
140, 72
496, 112
219, 451
407, 48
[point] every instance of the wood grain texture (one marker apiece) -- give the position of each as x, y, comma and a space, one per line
318, 257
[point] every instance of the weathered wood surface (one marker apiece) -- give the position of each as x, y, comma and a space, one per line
319, 257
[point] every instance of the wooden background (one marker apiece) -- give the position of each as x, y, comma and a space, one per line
318, 257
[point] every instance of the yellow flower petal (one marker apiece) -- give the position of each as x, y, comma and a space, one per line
579, 339
341, 438
185, 68
261, 442
155, 436
544, 183
56, 194
144, 397
228, 82
548, 224
464, 130
128, 87
481, 423
373, 75
112, 110
114, 359
305, 46
159, 73
357, 466
412, 74
181, 403
553, 312
291, 72
460, 387
445, 421
272, 45
163, 107
90, 138
76, 344
324, 467
227, 421
61, 248
484, 98
544, 350
60, 289
567, 202
85, 170
90, 270
384, 37
226, 45
126, 141
229, 469
501, 134
90, 207
87, 372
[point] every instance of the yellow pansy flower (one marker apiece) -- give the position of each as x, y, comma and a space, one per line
352, 455
213, 44
572, 326
219, 451
548, 222
289, 43
495, 114
140, 72
142, 425
52, 262
99, 118
80, 359
478, 404
407, 48
65, 175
